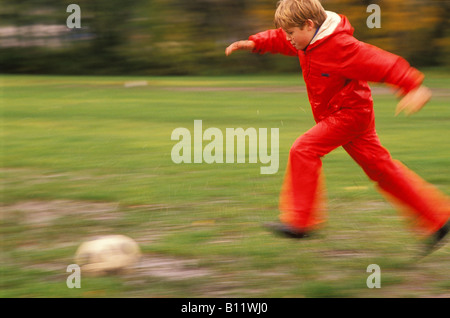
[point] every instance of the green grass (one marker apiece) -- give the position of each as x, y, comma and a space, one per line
83, 156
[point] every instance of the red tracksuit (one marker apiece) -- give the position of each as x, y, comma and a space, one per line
336, 69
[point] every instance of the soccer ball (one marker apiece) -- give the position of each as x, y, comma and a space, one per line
107, 254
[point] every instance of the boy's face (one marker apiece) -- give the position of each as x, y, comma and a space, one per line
301, 37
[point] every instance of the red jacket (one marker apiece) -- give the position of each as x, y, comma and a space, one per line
337, 67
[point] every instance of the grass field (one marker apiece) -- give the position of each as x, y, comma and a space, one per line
85, 156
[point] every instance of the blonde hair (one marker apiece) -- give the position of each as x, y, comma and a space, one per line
294, 13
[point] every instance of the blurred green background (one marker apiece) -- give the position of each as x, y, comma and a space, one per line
84, 156
160, 37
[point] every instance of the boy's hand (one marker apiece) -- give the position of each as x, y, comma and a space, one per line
413, 101
240, 45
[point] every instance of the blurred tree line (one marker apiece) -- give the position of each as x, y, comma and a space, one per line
168, 37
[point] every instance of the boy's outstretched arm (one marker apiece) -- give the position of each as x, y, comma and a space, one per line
240, 45
413, 101
271, 41
366, 62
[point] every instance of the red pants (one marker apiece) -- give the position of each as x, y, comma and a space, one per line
301, 201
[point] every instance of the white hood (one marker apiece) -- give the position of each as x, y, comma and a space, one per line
328, 26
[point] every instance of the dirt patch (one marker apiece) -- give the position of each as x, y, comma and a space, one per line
367, 206
45, 212
342, 254
169, 268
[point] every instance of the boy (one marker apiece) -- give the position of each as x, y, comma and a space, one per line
336, 68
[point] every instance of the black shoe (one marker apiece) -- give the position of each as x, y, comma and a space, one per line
286, 230
436, 239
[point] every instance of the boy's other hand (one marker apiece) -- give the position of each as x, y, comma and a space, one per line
240, 45
413, 101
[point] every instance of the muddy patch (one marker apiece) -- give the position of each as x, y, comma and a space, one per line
46, 212
169, 268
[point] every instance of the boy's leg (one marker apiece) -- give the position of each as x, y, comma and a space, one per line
301, 202
429, 208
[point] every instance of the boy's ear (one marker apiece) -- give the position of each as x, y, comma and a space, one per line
309, 25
